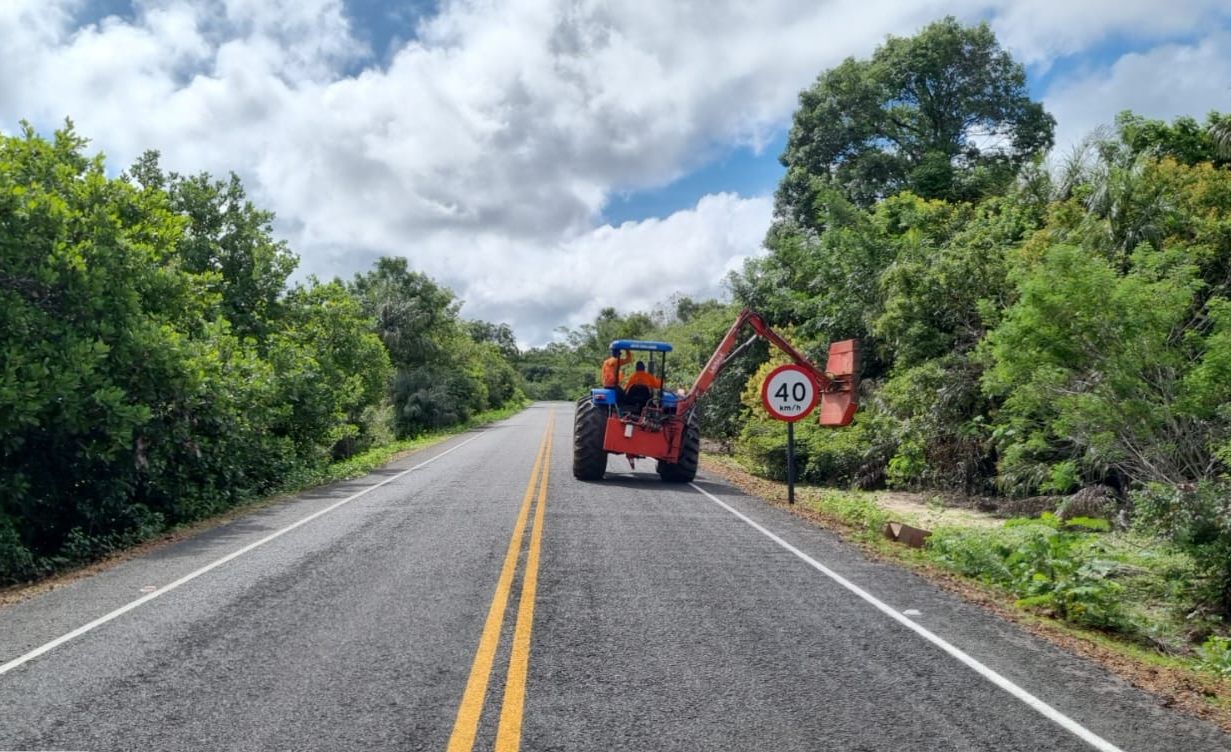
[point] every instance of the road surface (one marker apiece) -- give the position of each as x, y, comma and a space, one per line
476, 596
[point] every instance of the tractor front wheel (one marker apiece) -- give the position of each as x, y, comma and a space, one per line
589, 425
690, 455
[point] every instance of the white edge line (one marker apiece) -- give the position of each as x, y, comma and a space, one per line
1043, 708
208, 567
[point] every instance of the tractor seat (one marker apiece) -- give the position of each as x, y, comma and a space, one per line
636, 397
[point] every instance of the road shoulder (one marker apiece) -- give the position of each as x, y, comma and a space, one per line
1190, 692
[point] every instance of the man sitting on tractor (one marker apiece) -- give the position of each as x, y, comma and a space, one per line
638, 388
611, 370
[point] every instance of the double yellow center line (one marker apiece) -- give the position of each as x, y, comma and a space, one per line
508, 735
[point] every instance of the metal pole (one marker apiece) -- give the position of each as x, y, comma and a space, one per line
790, 463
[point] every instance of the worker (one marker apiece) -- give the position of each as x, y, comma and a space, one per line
640, 377
639, 387
611, 369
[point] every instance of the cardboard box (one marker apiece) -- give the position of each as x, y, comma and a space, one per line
903, 533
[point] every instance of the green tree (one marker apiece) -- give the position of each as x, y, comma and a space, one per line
1183, 139
128, 399
415, 317
228, 239
1091, 367
593, 341
823, 284
556, 372
944, 113
949, 273
446, 369
93, 322
501, 335
1220, 131
330, 368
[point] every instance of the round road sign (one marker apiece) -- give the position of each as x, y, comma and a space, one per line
789, 393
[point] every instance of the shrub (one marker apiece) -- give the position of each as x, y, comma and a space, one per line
851, 456
1196, 517
1045, 566
1215, 655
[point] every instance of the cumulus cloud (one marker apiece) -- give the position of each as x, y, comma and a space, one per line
1039, 31
630, 267
484, 148
1164, 82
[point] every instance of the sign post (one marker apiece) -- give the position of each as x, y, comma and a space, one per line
789, 394
790, 462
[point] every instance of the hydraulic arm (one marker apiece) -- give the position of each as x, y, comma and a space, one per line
837, 383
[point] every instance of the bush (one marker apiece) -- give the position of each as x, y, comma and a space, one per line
16, 561
153, 368
851, 456
941, 434
425, 398
1060, 571
1215, 655
1197, 518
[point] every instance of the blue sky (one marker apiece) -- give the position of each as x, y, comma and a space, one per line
512, 148
742, 170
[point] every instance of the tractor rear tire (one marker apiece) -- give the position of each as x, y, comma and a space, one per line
589, 426
690, 455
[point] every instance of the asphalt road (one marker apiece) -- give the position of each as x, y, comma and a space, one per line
476, 596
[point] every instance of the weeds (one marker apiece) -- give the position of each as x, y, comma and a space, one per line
1215, 655
18, 565
852, 509
1047, 565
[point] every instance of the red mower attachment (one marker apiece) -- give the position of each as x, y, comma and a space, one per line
838, 402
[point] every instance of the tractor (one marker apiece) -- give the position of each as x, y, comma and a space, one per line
665, 426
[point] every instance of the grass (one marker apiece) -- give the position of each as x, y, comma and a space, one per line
855, 510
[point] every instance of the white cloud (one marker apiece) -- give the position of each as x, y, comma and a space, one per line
489, 144
1038, 31
631, 267
1163, 83
485, 148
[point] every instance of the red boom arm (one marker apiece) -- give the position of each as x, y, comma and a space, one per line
837, 382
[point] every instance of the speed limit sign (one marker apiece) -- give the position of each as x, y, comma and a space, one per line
789, 393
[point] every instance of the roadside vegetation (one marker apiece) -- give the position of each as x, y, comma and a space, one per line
158, 366
1052, 329
1047, 334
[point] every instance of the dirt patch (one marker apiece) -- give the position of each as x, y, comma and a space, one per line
1191, 692
932, 512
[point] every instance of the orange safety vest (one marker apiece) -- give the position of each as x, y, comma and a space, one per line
641, 378
611, 370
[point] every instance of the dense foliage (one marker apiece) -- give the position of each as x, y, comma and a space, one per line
1063, 328
1028, 328
156, 367
447, 369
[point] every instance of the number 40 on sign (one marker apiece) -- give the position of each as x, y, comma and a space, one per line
789, 393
